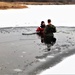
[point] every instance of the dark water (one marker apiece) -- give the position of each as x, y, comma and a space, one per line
37, 57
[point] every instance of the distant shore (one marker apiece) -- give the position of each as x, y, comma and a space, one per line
12, 5
19, 5
47, 3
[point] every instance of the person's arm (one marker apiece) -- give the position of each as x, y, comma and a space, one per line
38, 30
53, 29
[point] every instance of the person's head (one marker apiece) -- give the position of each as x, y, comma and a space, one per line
49, 20
42, 24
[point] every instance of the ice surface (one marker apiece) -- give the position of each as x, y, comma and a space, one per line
61, 15
64, 67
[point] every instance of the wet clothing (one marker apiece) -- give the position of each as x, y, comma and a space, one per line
49, 40
49, 30
48, 34
40, 33
40, 30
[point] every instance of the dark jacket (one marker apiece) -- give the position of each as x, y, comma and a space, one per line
48, 34
49, 30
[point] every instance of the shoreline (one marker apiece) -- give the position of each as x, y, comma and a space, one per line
11, 5
20, 5
40, 3
48, 3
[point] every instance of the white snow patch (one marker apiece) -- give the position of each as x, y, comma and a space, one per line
50, 56
21, 56
56, 49
42, 60
23, 52
17, 70
67, 66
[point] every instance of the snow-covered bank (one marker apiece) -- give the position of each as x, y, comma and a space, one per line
67, 66
61, 15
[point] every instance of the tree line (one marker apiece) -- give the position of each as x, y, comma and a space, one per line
37, 0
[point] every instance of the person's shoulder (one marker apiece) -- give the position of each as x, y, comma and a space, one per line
47, 26
53, 25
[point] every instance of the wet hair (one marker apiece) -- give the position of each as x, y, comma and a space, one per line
42, 26
42, 22
49, 20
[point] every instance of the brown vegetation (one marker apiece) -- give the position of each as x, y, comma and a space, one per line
18, 5
46, 3
11, 5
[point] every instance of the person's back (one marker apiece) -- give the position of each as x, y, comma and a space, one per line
48, 33
49, 29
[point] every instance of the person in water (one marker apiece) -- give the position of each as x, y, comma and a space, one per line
40, 31
41, 28
49, 38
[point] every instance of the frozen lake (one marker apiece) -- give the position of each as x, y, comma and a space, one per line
61, 15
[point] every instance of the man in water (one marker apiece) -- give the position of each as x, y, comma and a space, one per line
48, 35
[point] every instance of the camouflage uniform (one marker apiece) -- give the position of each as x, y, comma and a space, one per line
48, 34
